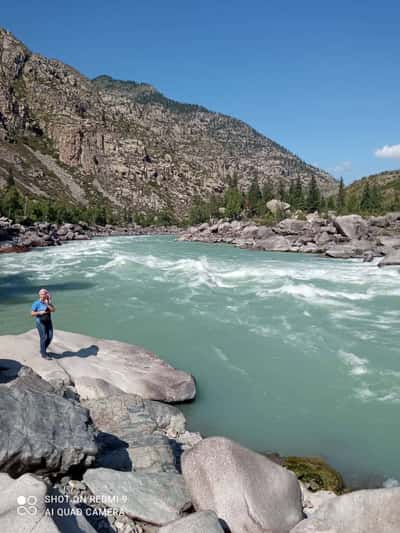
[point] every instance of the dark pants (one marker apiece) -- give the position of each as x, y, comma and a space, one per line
45, 330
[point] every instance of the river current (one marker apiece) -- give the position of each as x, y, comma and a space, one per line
292, 353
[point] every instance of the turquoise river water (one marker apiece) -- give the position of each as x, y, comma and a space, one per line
291, 353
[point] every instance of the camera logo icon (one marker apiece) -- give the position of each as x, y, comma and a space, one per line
26, 505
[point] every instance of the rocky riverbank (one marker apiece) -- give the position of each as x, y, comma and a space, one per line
22, 238
89, 441
344, 237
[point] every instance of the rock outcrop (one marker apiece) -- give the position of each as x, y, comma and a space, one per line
341, 237
245, 489
129, 368
21, 238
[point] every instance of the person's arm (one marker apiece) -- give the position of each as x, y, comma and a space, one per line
35, 312
50, 307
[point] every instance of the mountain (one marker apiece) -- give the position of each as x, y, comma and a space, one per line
387, 184
67, 137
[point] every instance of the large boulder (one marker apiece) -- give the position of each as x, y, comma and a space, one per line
157, 498
201, 522
41, 431
133, 432
275, 243
363, 511
290, 226
392, 259
24, 508
351, 226
130, 368
245, 489
277, 206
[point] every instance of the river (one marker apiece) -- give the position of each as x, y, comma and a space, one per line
291, 353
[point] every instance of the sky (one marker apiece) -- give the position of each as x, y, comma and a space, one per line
319, 77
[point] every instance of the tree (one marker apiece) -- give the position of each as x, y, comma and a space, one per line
267, 191
282, 191
254, 198
295, 195
12, 202
198, 212
330, 203
366, 201
313, 195
233, 203
341, 197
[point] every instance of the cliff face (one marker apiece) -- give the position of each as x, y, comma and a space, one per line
65, 136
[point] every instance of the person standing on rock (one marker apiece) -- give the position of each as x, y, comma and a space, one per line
41, 310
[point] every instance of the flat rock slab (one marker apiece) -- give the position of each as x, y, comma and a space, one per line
130, 368
157, 498
244, 488
41, 431
201, 522
23, 509
362, 511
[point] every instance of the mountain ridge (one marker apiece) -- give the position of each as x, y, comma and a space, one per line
84, 141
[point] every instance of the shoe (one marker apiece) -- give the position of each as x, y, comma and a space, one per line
45, 356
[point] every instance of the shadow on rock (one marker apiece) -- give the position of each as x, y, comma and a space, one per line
83, 352
9, 370
113, 452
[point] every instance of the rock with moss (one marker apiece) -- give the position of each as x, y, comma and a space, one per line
315, 473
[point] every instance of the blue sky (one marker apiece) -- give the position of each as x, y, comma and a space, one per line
319, 77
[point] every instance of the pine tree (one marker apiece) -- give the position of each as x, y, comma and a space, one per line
341, 197
366, 198
267, 191
298, 200
254, 198
281, 191
313, 196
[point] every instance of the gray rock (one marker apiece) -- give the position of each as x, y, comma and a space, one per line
90, 388
131, 437
41, 431
201, 522
341, 251
363, 511
125, 366
250, 232
276, 206
312, 501
390, 242
24, 509
157, 498
392, 259
351, 226
276, 243
290, 226
245, 489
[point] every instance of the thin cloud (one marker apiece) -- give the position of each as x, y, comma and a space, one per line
389, 150
342, 167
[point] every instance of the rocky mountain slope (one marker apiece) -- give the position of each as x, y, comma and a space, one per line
387, 182
79, 140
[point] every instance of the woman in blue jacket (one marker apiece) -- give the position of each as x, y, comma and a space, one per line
41, 310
